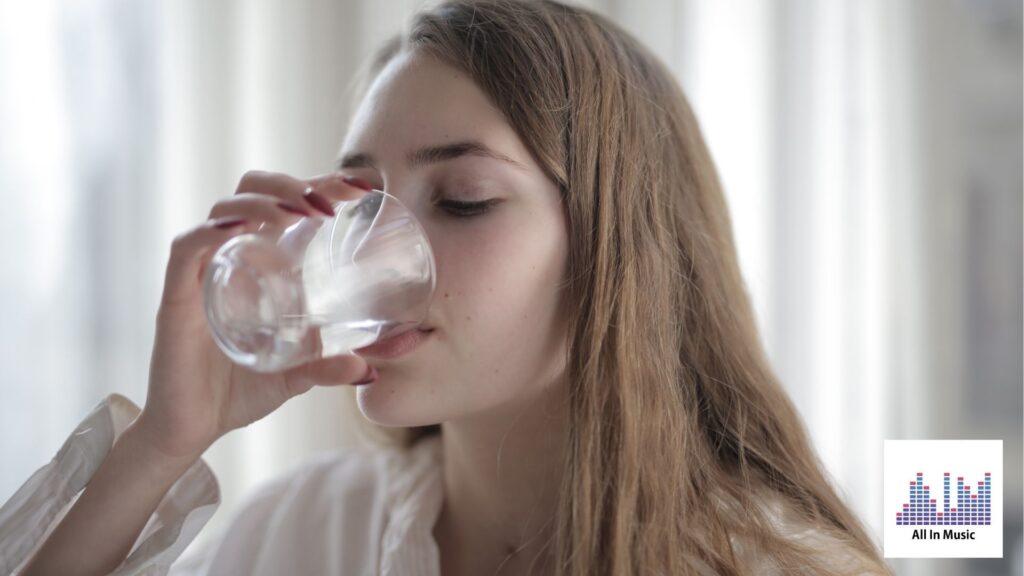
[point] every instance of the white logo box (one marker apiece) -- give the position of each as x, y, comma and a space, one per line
943, 499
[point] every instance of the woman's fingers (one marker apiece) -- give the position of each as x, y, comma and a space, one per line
261, 208
330, 371
274, 183
190, 249
316, 194
336, 187
292, 191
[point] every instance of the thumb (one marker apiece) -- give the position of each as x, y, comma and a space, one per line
331, 371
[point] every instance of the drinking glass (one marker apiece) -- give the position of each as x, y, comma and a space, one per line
321, 287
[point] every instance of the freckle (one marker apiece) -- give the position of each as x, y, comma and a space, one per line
445, 294
467, 318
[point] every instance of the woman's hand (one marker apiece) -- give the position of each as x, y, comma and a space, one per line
196, 394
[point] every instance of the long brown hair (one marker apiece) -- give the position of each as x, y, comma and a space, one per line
680, 433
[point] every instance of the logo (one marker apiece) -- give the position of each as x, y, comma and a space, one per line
943, 499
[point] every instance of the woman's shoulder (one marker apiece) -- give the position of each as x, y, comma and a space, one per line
345, 495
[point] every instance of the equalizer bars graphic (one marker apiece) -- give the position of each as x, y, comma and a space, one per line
970, 510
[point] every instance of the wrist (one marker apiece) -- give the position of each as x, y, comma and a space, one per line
138, 443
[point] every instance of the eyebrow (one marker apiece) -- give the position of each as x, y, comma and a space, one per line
430, 155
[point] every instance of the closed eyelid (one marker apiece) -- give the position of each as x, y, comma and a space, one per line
473, 188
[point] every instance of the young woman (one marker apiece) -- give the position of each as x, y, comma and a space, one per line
588, 395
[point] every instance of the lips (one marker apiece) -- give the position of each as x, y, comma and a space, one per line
396, 346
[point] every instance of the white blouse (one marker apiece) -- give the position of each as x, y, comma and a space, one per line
348, 512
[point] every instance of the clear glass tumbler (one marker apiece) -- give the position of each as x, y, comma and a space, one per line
322, 287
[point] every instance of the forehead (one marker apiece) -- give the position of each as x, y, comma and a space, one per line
417, 100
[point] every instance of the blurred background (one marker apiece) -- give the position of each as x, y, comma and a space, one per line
871, 153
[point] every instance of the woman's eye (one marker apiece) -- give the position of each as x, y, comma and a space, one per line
461, 209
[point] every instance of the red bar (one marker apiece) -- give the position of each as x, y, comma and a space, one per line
959, 477
913, 483
945, 473
925, 487
933, 501
988, 473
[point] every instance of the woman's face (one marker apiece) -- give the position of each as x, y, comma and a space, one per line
499, 336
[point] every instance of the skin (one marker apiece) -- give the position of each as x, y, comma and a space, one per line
493, 370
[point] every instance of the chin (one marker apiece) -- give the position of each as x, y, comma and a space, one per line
392, 406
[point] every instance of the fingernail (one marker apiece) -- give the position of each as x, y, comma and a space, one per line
357, 182
370, 376
319, 202
292, 209
228, 222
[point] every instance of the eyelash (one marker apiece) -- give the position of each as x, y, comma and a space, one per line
460, 209
457, 208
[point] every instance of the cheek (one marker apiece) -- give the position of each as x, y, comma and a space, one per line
498, 292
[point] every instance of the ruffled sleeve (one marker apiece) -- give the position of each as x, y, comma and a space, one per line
38, 506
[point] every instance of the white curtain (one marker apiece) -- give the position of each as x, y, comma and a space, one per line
870, 153
80, 237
